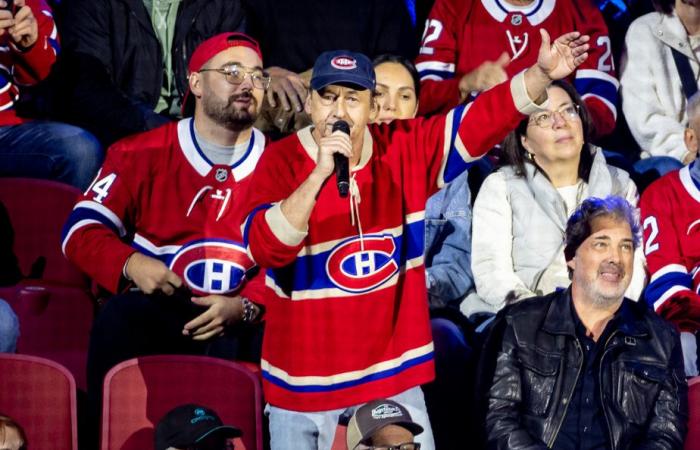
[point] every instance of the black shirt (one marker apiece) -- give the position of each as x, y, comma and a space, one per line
585, 426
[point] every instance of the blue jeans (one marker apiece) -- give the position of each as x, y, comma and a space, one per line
294, 430
50, 150
9, 328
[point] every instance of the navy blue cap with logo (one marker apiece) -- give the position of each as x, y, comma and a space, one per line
187, 425
342, 67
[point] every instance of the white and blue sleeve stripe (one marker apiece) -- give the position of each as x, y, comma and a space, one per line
88, 213
666, 282
435, 70
600, 85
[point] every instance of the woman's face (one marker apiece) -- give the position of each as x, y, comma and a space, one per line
555, 136
396, 94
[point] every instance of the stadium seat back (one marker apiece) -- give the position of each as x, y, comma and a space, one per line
55, 323
37, 210
40, 395
138, 392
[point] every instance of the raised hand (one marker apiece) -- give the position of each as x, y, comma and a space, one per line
560, 58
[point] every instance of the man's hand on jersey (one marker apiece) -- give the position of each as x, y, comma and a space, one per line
289, 88
151, 275
221, 311
22, 27
560, 58
486, 76
336, 142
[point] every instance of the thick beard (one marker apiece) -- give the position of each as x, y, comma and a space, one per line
599, 299
228, 115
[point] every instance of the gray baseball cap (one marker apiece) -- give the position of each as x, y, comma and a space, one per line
374, 415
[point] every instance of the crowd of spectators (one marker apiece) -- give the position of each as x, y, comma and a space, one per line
489, 158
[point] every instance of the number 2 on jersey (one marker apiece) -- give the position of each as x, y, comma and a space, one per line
433, 28
650, 245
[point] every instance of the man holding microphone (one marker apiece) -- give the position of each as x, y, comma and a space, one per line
347, 321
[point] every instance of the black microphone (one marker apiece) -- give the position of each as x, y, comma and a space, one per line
342, 172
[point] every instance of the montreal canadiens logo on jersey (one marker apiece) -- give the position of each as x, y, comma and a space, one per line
344, 62
353, 269
212, 266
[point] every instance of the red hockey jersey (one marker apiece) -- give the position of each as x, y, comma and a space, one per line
462, 34
347, 320
158, 194
671, 219
25, 68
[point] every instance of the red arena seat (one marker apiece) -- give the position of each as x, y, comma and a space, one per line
40, 395
138, 392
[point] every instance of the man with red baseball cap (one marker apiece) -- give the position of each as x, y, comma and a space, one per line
160, 224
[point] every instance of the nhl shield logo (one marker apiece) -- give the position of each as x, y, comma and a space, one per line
516, 19
221, 175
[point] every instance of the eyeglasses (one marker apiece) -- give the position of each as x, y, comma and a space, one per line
546, 119
404, 446
236, 74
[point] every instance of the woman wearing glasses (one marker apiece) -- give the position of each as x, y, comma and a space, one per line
549, 168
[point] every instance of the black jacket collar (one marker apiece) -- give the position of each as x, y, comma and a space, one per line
559, 321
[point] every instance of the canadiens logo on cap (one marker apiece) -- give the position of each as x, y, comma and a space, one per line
344, 62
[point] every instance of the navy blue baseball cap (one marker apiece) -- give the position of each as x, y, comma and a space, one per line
342, 67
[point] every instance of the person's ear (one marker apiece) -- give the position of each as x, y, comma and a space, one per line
373, 109
195, 82
307, 103
691, 140
373, 104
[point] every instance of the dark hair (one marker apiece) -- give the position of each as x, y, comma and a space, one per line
664, 6
578, 228
514, 154
7, 422
406, 63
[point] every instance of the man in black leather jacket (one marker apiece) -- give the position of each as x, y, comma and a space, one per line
111, 71
586, 368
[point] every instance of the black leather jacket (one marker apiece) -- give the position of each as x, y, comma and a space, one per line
642, 381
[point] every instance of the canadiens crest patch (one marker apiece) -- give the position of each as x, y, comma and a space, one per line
355, 269
212, 266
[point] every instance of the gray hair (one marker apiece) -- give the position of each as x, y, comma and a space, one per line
578, 228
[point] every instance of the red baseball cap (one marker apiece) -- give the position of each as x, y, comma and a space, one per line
207, 50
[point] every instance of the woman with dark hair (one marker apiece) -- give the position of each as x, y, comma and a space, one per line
12, 436
521, 211
654, 99
447, 263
